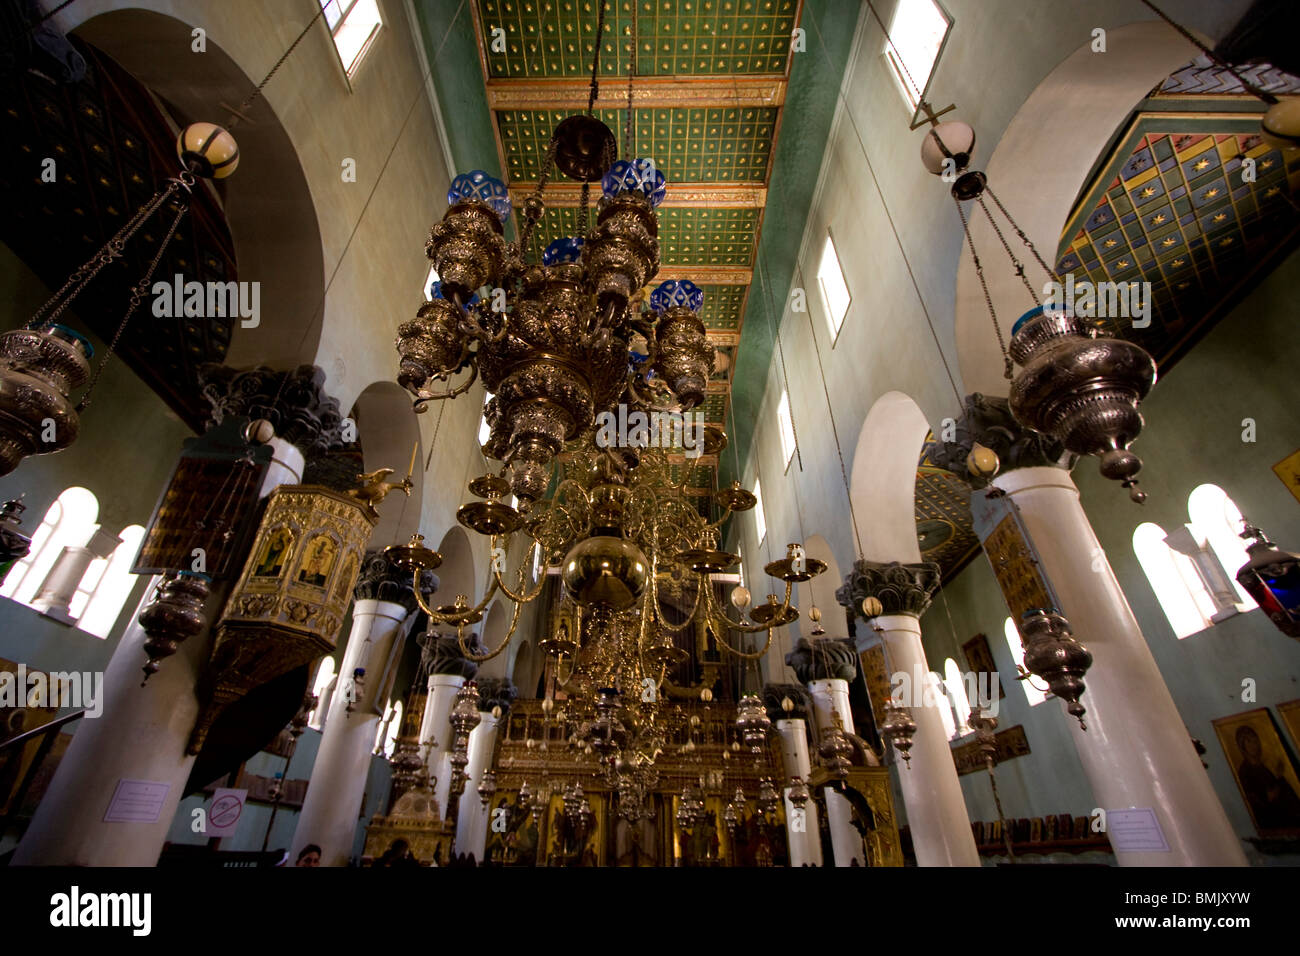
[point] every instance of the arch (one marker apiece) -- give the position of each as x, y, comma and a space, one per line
387, 430
456, 573
269, 207
1078, 106
884, 478
821, 589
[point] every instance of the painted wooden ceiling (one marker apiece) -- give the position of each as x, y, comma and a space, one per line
1174, 204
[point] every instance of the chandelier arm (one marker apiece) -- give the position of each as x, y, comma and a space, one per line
457, 618
419, 403
473, 327
523, 597
505, 641
716, 615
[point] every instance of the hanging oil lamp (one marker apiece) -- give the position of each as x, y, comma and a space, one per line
1272, 577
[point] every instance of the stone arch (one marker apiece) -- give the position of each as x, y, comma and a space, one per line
387, 431
267, 202
1045, 154
884, 478
456, 573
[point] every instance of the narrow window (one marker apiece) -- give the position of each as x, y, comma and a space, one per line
918, 29
1217, 516
760, 519
786, 424
835, 291
354, 25
957, 691
106, 585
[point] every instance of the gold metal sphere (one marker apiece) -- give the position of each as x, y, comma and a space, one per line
787, 704
871, 607
706, 695
982, 462
605, 571
740, 597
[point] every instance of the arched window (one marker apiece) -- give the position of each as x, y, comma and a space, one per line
1017, 648
106, 585
952, 680
69, 522
1181, 593
1217, 517
324, 674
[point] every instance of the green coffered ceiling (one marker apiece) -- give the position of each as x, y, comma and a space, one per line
729, 108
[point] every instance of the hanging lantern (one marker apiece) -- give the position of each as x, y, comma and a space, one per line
174, 614
684, 357
898, 727
752, 722
767, 796
1083, 388
487, 787
1052, 653
799, 793
464, 717
38, 370
1272, 577
835, 750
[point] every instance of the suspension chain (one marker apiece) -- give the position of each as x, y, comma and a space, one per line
988, 299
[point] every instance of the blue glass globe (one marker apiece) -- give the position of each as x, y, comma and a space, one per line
675, 293
635, 175
477, 184
563, 250
435, 292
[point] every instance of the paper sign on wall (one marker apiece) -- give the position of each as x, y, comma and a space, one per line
1136, 829
137, 801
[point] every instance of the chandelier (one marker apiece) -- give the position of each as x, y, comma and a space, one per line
555, 341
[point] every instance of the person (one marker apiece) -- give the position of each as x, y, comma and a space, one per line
1272, 799
398, 854
309, 855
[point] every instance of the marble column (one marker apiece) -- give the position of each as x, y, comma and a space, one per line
936, 809
495, 697
805, 844
448, 669
1136, 752
143, 732
336, 791
826, 666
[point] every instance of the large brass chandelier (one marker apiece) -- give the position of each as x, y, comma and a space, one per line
554, 340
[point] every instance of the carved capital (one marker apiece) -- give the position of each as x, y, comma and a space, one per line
900, 588
295, 402
496, 692
773, 694
381, 580
823, 659
989, 422
441, 654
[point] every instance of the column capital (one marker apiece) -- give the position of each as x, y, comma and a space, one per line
773, 694
827, 657
294, 401
496, 692
900, 588
441, 654
381, 580
988, 420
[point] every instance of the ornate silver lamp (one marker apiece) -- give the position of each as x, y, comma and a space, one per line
1052, 653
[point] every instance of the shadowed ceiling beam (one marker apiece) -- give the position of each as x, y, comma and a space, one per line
682, 92
680, 195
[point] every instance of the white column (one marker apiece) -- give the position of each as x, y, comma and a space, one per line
337, 788
436, 735
472, 816
60, 585
936, 810
141, 736
1136, 751
286, 466
805, 846
829, 694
